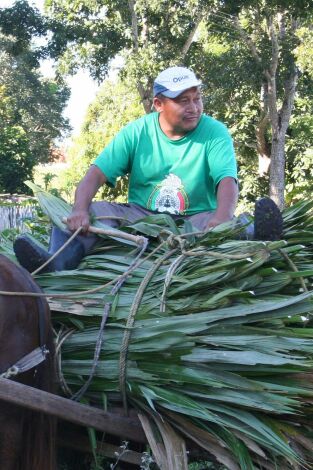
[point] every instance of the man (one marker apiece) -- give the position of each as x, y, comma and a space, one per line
180, 161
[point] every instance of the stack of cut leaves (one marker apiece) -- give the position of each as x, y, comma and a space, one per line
210, 338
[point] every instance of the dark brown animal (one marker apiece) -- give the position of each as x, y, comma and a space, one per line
27, 438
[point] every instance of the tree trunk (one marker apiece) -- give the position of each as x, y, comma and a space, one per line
263, 148
145, 96
279, 129
277, 170
278, 118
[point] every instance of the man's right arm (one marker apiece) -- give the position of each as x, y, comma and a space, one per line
85, 192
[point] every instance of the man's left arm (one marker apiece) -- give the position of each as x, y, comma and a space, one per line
227, 198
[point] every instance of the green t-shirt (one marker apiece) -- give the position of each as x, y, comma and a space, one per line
173, 176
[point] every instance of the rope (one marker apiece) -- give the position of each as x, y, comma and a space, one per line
168, 278
74, 235
107, 307
84, 292
137, 239
10, 372
130, 323
175, 240
58, 360
119, 282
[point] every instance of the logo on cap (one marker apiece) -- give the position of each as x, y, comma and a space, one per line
179, 79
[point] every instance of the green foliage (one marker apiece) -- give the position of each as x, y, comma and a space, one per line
16, 159
151, 36
93, 32
48, 177
304, 51
87, 33
205, 466
37, 103
233, 86
229, 368
116, 104
22, 22
31, 106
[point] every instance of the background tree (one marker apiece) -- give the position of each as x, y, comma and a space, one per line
253, 83
16, 160
270, 33
109, 112
247, 54
31, 110
148, 35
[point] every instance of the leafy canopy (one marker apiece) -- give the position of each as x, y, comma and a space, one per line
31, 106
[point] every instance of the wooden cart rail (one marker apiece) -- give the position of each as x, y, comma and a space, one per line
128, 428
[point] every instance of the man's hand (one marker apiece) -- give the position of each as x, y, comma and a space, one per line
215, 221
78, 218
227, 197
84, 194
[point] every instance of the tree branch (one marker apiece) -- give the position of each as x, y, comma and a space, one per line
289, 98
134, 22
145, 96
282, 27
275, 46
262, 144
145, 31
269, 74
290, 86
191, 36
271, 79
248, 41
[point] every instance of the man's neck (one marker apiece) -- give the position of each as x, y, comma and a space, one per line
173, 134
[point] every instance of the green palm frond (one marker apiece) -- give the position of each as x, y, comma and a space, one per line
221, 347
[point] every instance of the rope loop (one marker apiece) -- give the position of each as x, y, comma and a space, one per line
62, 336
176, 241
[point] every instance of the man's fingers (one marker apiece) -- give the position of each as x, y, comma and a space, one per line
73, 223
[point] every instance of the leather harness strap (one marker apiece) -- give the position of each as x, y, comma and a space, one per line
38, 355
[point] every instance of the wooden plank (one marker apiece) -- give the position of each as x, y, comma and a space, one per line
128, 428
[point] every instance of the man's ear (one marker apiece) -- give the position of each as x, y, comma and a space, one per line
158, 104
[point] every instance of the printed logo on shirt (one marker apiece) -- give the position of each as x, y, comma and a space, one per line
169, 196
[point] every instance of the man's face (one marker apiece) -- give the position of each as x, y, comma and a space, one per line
180, 115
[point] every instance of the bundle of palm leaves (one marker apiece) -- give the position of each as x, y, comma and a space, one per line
209, 337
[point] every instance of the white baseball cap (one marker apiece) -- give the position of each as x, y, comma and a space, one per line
174, 81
